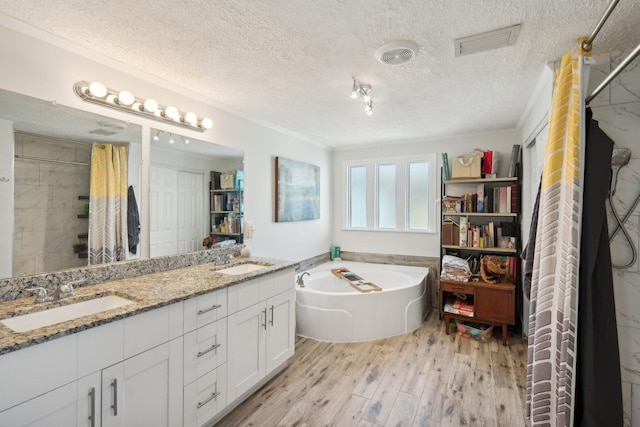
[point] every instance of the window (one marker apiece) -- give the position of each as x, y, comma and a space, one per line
358, 197
418, 195
392, 194
386, 195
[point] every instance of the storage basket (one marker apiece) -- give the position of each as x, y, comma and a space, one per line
476, 331
466, 167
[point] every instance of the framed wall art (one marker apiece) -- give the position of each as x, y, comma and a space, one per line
297, 191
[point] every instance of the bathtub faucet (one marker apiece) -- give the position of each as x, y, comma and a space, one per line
300, 280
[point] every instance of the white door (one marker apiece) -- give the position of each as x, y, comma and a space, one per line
246, 358
281, 329
55, 408
163, 196
145, 390
190, 211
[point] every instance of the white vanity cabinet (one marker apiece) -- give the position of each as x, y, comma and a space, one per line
71, 382
261, 329
186, 364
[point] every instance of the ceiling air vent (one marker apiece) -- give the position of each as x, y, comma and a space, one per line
487, 41
397, 53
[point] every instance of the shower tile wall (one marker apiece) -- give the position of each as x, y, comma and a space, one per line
46, 225
617, 110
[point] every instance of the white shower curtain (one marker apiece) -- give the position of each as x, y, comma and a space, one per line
108, 204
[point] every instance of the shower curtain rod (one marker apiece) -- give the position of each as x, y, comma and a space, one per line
40, 159
626, 61
586, 45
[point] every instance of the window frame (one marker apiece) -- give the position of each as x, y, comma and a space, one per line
402, 193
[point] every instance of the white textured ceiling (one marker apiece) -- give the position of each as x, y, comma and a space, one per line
289, 62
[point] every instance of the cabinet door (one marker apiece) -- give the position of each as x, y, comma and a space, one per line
281, 329
89, 412
496, 304
55, 408
145, 390
246, 359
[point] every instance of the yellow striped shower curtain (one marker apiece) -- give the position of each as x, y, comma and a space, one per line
108, 204
553, 315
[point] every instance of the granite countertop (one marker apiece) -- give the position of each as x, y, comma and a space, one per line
148, 292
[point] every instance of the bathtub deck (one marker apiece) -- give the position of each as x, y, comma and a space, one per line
424, 378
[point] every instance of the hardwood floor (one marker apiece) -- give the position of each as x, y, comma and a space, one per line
424, 378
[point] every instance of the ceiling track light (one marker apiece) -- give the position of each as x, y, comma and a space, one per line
124, 100
363, 91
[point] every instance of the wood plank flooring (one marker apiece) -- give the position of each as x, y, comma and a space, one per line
424, 378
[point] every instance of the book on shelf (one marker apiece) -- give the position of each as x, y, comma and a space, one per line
515, 159
515, 198
480, 198
503, 200
217, 202
456, 305
446, 172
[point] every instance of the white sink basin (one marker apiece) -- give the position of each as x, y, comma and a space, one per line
40, 319
239, 269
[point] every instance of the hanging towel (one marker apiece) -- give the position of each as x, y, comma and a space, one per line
133, 221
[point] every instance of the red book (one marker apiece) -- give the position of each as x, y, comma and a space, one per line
515, 198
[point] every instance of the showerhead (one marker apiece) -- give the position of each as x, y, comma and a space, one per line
619, 158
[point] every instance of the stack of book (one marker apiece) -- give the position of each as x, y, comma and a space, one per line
456, 305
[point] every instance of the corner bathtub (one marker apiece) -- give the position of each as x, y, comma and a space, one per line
329, 309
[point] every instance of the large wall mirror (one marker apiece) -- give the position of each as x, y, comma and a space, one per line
180, 197
49, 176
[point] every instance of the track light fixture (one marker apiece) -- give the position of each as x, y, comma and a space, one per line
363, 91
124, 100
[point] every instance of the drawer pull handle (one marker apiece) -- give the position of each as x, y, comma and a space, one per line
213, 347
92, 406
271, 321
208, 399
265, 319
213, 307
457, 289
114, 385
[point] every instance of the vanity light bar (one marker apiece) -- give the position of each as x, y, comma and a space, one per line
124, 100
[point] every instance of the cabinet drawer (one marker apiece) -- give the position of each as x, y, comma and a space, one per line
205, 397
32, 371
460, 288
205, 349
205, 309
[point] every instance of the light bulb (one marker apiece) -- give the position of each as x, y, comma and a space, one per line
172, 112
206, 123
111, 99
126, 98
191, 118
137, 106
98, 90
354, 94
156, 137
171, 141
150, 105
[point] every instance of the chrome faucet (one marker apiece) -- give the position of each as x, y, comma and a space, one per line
63, 291
300, 279
41, 294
